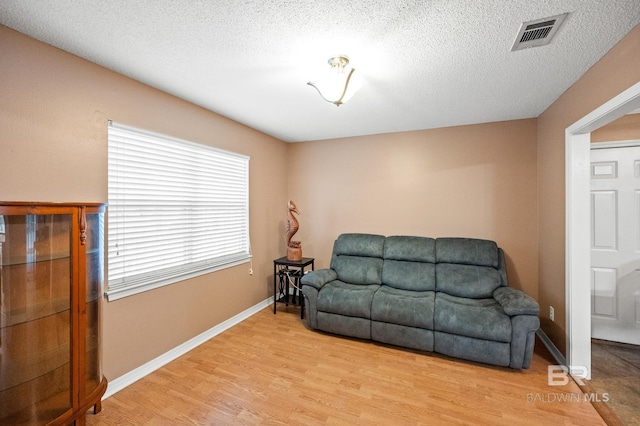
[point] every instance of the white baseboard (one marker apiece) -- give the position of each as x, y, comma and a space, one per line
125, 380
555, 352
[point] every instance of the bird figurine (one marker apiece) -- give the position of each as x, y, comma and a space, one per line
294, 248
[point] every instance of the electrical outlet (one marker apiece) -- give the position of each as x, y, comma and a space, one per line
551, 313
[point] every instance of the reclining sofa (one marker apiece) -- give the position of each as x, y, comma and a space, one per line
447, 295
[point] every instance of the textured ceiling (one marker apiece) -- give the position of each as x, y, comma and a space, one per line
423, 64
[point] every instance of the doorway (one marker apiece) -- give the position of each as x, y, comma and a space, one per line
615, 242
578, 261
615, 276
578, 253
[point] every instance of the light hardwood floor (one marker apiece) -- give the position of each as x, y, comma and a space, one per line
272, 370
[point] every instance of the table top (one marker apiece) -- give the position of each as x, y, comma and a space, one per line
302, 262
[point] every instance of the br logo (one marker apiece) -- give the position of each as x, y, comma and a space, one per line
558, 375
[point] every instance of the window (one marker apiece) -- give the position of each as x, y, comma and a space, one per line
176, 210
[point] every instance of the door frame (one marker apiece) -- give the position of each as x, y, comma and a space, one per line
613, 145
577, 225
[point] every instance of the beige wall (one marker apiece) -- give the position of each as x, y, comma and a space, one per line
618, 70
469, 181
54, 109
624, 128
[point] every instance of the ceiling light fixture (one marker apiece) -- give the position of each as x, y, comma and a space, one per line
334, 85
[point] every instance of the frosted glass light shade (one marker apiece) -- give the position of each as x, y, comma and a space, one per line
337, 85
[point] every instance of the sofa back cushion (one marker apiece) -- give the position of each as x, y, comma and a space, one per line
468, 267
409, 263
357, 258
467, 251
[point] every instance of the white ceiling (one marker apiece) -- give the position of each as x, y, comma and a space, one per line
424, 64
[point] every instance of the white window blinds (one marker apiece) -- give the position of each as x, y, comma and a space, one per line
176, 210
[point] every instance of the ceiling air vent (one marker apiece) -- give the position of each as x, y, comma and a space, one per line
538, 32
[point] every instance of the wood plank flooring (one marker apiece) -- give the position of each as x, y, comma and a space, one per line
272, 370
615, 370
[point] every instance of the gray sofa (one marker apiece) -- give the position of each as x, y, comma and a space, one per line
447, 295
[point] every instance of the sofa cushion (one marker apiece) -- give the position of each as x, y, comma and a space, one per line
414, 249
411, 308
367, 245
479, 318
347, 299
416, 276
471, 281
358, 270
357, 258
409, 263
467, 251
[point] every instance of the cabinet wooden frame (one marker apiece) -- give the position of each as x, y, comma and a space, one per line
85, 223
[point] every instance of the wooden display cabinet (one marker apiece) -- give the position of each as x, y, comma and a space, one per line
51, 279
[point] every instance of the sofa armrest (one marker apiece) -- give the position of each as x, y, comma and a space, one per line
319, 278
516, 302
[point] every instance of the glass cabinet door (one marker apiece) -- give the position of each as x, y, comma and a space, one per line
94, 252
36, 276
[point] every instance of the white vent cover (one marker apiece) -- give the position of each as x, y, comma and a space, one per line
538, 32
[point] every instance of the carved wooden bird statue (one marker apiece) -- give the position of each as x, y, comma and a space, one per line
292, 225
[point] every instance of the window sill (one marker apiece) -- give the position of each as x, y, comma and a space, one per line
151, 284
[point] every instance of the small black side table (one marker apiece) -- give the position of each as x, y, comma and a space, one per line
287, 271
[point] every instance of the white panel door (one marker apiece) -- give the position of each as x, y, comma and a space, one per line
615, 244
